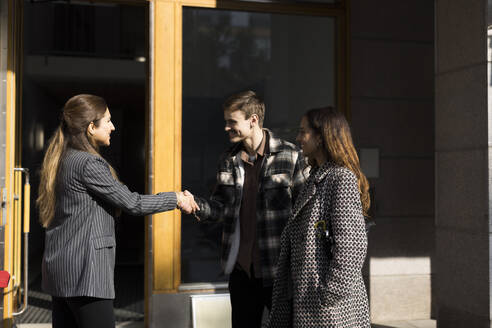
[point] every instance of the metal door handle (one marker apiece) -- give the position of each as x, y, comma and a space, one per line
27, 212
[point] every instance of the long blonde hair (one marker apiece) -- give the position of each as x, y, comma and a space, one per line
78, 112
334, 130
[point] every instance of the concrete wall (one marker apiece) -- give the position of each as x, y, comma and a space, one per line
463, 165
392, 103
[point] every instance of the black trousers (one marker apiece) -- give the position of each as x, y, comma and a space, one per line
82, 312
248, 299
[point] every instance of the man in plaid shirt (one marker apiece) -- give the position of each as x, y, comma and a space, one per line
258, 180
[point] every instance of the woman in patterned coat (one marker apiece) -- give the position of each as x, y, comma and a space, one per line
319, 274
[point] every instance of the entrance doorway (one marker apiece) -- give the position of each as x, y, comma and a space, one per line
71, 48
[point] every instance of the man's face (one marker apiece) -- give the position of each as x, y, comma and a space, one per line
237, 125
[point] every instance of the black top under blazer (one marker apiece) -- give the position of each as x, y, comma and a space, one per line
79, 252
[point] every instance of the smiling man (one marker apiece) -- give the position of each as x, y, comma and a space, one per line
258, 180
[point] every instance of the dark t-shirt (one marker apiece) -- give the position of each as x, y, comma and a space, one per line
249, 254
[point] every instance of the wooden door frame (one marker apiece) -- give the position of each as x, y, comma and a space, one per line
11, 159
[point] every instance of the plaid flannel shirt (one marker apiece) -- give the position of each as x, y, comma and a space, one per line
282, 177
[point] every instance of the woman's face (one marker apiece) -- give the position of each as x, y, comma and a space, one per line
307, 139
101, 134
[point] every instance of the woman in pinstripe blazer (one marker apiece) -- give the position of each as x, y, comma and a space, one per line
79, 194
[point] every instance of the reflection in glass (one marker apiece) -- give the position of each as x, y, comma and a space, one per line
289, 60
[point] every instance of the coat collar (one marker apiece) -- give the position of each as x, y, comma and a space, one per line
316, 175
306, 194
319, 173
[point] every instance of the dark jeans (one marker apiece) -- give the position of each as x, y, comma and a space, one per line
82, 312
248, 299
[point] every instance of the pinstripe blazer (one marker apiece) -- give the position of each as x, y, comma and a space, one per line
79, 254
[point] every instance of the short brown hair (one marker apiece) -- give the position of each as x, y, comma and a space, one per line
247, 102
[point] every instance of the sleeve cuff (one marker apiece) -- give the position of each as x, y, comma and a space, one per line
169, 200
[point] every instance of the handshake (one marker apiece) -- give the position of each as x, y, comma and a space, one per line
186, 202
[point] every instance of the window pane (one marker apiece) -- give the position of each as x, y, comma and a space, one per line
289, 60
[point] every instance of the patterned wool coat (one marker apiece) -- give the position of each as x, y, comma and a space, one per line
319, 282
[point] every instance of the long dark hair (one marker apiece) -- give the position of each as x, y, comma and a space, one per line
78, 112
336, 138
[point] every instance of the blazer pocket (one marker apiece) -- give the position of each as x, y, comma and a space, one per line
104, 242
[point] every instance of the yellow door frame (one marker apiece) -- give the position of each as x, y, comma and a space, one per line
167, 94
12, 208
